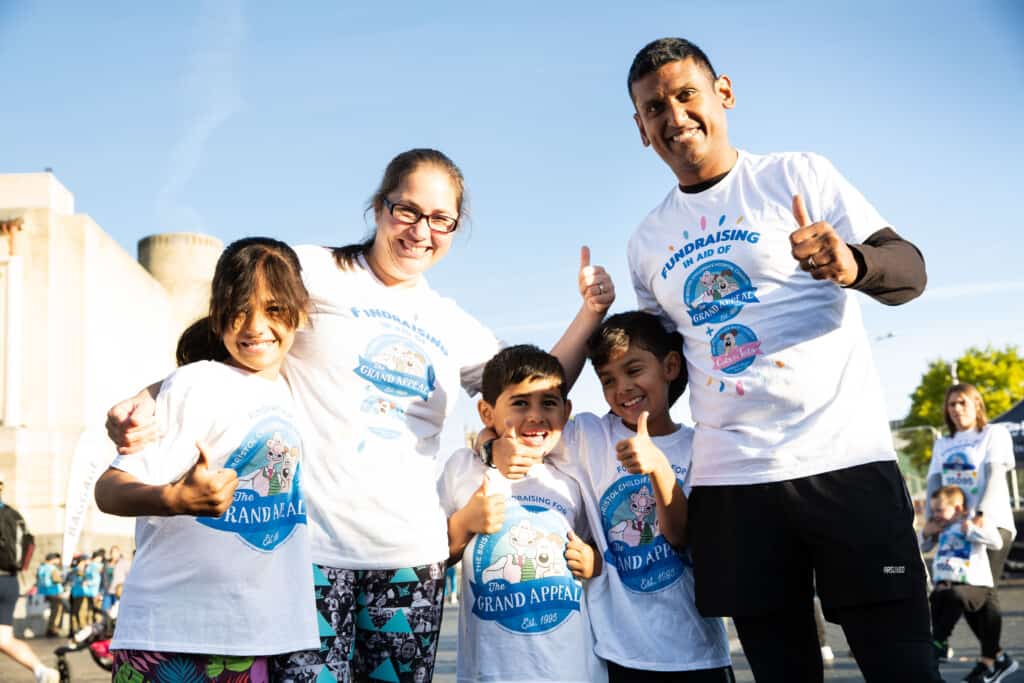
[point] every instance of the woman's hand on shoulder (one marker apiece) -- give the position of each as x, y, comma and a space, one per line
132, 424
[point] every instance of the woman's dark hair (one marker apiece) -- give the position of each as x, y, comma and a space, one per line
397, 171
515, 364
247, 267
636, 328
970, 392
658, 53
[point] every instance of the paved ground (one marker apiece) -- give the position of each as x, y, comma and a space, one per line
843, 671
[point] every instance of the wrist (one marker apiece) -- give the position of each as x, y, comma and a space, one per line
487, 452
170, 499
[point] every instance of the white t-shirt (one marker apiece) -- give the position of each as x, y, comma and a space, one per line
522, 616
376, 371
642, 604
782, 382
963, 557
214, 585
961, 461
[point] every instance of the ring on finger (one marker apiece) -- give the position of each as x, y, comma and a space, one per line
600, 288
811, 263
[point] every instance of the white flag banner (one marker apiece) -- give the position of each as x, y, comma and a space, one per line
93, 453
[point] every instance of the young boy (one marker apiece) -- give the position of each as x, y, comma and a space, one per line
750, 257
633, 466
960, 572
522, 616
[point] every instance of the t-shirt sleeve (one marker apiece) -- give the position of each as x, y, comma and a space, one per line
645, 299
178, 414
842, 205
446, 487
1000, 450
935, 467
477, 344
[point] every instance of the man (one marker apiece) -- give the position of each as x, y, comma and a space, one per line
14, 540
752, 258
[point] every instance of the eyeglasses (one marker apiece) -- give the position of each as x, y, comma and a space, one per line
410, 215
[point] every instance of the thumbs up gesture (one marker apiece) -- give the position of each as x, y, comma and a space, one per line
580, 557
819, 249
485, 511
595, 285
638, 454
512, 457
203, 492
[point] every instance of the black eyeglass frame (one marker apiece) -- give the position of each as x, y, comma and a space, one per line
391, 206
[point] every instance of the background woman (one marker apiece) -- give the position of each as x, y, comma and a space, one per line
976, 456
376, 372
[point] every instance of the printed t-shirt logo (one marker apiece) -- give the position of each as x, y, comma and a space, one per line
958, 470
953, 555
519, 577
646, 562
733, 349
716, 292
268, 502
397, 367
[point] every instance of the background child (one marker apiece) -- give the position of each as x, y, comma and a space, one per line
522, 616
633, 465
49, 582
224, 590
960, 571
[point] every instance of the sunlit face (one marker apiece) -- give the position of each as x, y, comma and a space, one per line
635, 380
402, 252
962, 411
680, 112
534, 408
259, 339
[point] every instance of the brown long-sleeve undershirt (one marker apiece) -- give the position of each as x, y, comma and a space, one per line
889, 268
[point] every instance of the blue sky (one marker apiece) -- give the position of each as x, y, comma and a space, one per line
250, 118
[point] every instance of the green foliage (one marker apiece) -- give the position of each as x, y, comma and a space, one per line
998, 374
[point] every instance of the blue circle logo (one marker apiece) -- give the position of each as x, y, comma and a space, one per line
397, 367
733, 349
520, 579
717, 291
645, 561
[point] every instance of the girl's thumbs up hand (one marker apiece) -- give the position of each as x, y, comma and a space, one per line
203, 492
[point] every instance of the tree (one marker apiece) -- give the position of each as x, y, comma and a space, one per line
998, 375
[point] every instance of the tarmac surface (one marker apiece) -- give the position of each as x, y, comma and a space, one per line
843, 670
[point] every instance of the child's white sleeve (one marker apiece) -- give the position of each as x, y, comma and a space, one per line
178, 416
986, 534
445, 486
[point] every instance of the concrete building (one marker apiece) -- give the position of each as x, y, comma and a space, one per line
82, 325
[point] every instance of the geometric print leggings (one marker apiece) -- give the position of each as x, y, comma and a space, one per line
375, 625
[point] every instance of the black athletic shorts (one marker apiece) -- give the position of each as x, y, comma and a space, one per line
8, 599
760, 548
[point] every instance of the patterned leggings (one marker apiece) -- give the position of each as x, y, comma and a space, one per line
375, 624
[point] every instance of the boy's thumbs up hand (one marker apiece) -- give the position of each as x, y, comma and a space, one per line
819, 249
203, 492
485, 512
511, 457
579, 557
595, 285
638, 454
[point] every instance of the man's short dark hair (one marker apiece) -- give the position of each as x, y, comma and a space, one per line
515, 364
637, 328
662, 51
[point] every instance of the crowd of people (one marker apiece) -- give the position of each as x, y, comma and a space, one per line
302, 426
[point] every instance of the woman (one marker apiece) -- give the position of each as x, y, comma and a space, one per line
976, 456
376, 373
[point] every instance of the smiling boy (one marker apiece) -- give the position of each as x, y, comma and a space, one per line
522, 616
792, 436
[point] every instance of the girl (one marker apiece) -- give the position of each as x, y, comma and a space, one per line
221, 578
976, 457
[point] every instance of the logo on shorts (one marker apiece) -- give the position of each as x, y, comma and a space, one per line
717, 291
268, 504
520, 578
645, 561
734, 348
397, 367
